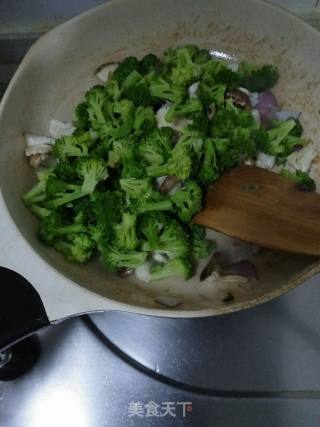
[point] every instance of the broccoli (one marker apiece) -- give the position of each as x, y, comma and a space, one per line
208, 171
172, 241
81, 121
156, 148
91, 170
109, 118
53, 226
144, 121
119, 121
185, 70
160, 88
199, 124
216, 73
124, 155
72, 146
187, 200
78, 248
190, 106
125, 68
113, 258
112, 90
179, 164
257, 78
149, 63
200, 247
66, 170
151, 224
125, 233
39, 211
145, 198
179, 267
281, 139
211, 94
38, 193
302, 179
139, 94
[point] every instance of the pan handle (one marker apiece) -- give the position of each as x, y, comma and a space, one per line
21, 308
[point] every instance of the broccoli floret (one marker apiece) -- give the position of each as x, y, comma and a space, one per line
109, 118
112, 90
199, 124
179, 267
125, 68
162, 89
179, 164
209, 170
39, 211
172, 241
187, 200
139, 95
211, 94
107, 207
302, 179
151, 224
77, 249
124, 155
216, 72
186, 69
257, 78
66, 170
113, 258
119, 121
81, 121
144, 121
145, 198
149, 63
137, 188
53, 226
201, 248
72, 146
91, 170
281, 139
189, 107
38, 193
156, 148
298, 129
125, 233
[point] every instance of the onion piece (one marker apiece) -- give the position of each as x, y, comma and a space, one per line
169, 301
192, 90
33, 140
143, 272
265, 161
302, 159
286, 115
243, 268
267, 106
57, 128
105, 70
38, 149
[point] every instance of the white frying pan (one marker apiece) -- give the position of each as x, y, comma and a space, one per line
52, 79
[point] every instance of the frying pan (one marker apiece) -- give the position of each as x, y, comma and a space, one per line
38, 286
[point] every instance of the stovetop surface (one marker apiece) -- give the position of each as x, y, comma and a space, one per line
254, 368
260, 367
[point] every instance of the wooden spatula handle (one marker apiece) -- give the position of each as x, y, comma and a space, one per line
264, 208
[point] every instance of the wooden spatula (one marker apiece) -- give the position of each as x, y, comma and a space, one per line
262, 207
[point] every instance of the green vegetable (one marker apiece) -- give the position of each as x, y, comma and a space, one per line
302, 179
104, 193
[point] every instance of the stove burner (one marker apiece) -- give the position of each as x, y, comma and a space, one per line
255, 352
19, 359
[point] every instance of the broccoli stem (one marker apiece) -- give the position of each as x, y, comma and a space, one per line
163, 205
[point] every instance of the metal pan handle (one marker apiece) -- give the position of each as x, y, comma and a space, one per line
21, 309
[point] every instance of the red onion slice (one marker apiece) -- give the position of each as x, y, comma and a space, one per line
267, 106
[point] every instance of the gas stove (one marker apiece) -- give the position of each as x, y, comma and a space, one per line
258, 367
